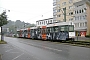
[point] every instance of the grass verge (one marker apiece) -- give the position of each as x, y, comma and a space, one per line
85, 43
0, 57
3, 42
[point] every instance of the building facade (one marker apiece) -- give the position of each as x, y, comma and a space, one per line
74, 12
88, 17
44, 22
58, 11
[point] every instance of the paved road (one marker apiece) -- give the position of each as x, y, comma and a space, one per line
26, 49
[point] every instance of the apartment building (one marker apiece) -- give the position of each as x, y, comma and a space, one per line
58, 9
44, 22
80, 18
59, 13
88, 16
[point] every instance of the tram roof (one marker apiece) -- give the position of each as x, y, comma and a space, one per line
33, 28
60, 24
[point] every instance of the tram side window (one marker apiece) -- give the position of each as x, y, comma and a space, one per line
30, 31
39, 30
48, 30
18, 32
56, 29
62, 28
25, 31
52, 29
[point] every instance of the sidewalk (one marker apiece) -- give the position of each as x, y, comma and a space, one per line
78, 38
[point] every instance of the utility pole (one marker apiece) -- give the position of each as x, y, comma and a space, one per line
64, 9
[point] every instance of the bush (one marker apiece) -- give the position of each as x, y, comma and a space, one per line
88, 36
3, 42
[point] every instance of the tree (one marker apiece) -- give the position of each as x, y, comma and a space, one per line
3, 21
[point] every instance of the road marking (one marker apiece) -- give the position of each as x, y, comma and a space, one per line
8, 50
6, 46
18, 56
52, 49
42, 46
14, 52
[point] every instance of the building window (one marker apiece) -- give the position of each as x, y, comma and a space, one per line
64, 3
58, 0
70, 7
82, 11
48, 21
70, 19
58, 10
81, 24
76, 24
77, 18
58, 5
40, 23
59, 15
70, 1
79, 11
71, 13
54, 4
51, 21
75, 12
85, 24
80, 17
44, 22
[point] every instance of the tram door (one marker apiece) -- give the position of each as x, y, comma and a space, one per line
43, 32
20, 33
28, 32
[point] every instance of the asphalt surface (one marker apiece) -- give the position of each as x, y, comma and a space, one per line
26, 49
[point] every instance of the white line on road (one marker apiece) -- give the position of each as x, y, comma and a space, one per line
18, 56
8, 50
14, 52
6, 46
43, 46
52, 49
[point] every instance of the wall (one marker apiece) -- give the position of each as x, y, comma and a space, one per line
88, 19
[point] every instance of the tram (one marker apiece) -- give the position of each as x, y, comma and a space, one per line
55, 31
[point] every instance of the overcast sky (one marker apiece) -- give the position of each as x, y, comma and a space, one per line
28, 10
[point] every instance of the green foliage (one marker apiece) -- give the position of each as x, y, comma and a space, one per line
3, 42
14, 25
3, 19
88, 36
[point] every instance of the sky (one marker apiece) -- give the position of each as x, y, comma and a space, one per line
27, 10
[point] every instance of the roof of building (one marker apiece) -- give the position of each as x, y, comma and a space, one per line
83, 1
44, 19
